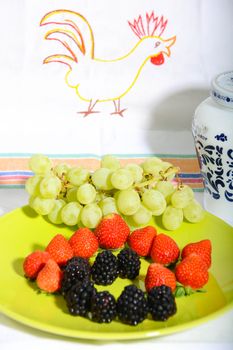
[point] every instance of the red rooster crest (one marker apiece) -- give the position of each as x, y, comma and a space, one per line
154, 26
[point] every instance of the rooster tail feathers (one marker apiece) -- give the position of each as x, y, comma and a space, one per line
60, 59
73, 31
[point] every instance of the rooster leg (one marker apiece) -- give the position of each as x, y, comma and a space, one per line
118, 109
90, 109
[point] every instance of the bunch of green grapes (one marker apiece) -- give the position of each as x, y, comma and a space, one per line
76, 196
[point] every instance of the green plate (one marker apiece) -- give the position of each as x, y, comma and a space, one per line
22, 232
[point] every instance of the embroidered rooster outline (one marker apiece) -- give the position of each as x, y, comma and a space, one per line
74, 32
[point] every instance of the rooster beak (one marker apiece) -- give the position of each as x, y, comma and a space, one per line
168, 43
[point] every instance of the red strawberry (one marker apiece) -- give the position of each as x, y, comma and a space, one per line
192, 272
112, 232
84, 243
141, 240
49, 278
157, 275
34, 262
59, 249
201, 248
164, 250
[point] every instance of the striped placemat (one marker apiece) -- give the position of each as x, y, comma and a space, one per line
14, 169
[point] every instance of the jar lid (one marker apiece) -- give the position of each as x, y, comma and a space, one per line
222, 89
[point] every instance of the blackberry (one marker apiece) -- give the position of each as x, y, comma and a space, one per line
104, 271
128, 263
78, 297
103, 307
161, 303
76, 269
132, 305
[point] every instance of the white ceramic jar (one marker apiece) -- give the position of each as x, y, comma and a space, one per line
212, 129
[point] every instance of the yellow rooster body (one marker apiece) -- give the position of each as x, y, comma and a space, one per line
91, 77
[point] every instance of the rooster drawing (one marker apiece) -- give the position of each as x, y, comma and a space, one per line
92, 77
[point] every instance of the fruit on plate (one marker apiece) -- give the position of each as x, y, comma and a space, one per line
78, 297
128, 263
50, 276
112, 232
34, 262
70, 267
76, 269
192, 272
84, 243
103, 307
164, 250
202, 248
74, 195
132, 305
158, 275
59, 249
104, 271
161, 303
141, 240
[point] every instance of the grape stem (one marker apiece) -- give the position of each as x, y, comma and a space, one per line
162, 176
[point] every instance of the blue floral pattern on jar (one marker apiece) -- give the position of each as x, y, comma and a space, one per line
210, 160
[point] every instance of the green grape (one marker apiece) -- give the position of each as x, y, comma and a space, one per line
55, 214
78, 176
91, 215
101, 178
152, 166
50, 186
110, 162
172, 218
165, 167
154, 201
40, 164
182, 196
43, 206
193, 212
71, 195
108, 206
136, 171
166, 188
70, 213
61, 169
142, 216
86, 194
128, 201
32, 185
121, 179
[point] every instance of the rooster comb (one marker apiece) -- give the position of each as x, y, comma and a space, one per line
151, 26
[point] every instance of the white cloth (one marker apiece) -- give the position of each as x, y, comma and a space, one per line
39, 111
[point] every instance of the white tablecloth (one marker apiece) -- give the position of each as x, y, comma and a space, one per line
214, 334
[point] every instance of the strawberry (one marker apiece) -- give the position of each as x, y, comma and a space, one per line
59, 249
158, 275
49, 278
192, 272
164, 250
34, 262
201, 248
141, 240
84, 243
112, 232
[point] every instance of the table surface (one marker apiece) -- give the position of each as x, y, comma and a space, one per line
214, 334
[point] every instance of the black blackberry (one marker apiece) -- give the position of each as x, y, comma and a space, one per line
76, 269
161, 303
103, 307
132, 305
78, 297
128, 263
104, 271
